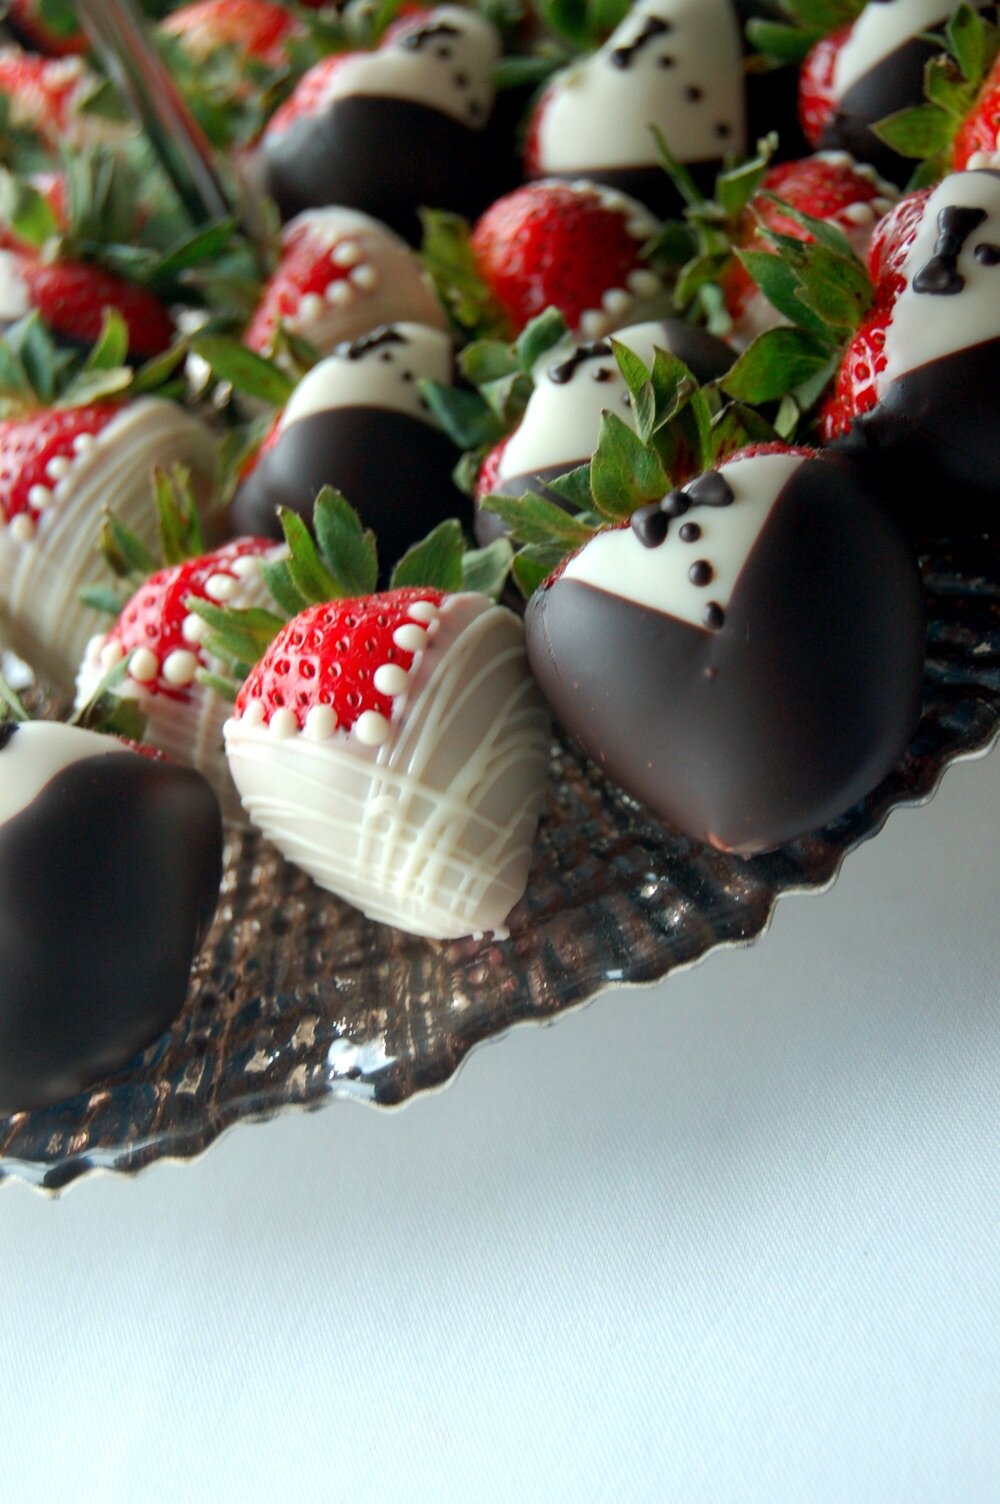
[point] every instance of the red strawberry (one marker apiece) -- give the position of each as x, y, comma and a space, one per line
332, 664
829, 186
395, 748
341, 273
572, 246
158, 627
863, 362
72, 297
977, 142
36, 452
310, 95
895, 234
43, 93
260, 29
817, 101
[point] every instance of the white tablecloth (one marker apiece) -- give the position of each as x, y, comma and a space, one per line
732, 1238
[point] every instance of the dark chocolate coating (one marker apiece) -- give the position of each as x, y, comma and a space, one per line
896, 83
393, 469
650, 185
109, 881
387, 157
932, 444
797, 706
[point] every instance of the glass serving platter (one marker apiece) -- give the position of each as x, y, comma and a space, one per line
298, 1000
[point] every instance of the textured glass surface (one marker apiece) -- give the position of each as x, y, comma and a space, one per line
297, 999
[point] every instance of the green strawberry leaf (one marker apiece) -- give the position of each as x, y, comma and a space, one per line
778, 361
249, 374
277, 576
348, 548
922, 131
310, 575
127, 555
781, 285
533, 519
449, 260
485, 570
237, 636
102, 598
178, 522
12, 707
532, 566
624, 472
780, 41
26, 211
464, 416
435, 561
538, 338
574, 488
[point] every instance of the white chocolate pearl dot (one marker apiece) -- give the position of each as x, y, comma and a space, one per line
390, 679
423, 611
348, 253
84, 442
179, 667
193, 629
616, 300
246, 566
371, 728
365, 277
253, 713
283, 724
143, 666
593, 324
339, 293
111, 653
58, 467
311, 307
644, 284
410, 637
23, 527
321, 723
882, 205
858, 214
220, 587
39, 497
639, 229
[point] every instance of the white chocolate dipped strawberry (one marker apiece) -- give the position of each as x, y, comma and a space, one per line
395, 747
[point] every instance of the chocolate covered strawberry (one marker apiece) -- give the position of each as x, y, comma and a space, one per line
60, 466
672, 65
394, 747
745, 656
110, 864
577, 247
162, 640
393, 130
341, 274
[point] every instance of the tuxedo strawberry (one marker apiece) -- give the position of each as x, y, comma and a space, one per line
572, 246
165, 642
392, 130
562, 422
744, 657
873, 69
59, 468
395, 748
339, 275
916, 391
672, 64
359, 423
110, 865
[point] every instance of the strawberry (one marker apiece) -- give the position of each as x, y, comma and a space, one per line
977, 140
341, 273
311, 95
258, 28
393, 745
817, 99
73, 297
572, 246
863, 363
829, 186
45, 94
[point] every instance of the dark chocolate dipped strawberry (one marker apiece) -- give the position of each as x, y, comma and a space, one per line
915, 399
562, 422
359, 423
872, 69
746, 656
675, 65
110, 864
393, 130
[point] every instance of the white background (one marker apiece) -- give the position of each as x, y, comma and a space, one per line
733, 1238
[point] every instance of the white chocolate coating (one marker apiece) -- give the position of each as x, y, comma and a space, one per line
41, 617
15, 301
927, 326
384, 281
386, 375
657, 578
452, 73
882, 27
430, 829
598, 115
36, 753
